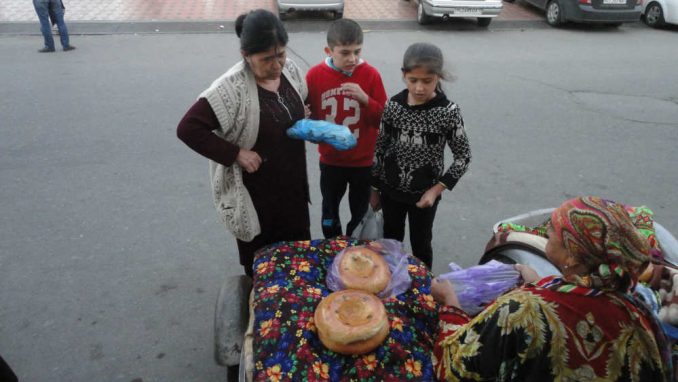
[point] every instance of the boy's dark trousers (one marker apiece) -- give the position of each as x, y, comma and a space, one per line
333, 182
421, 225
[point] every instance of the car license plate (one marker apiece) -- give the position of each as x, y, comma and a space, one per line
614, 1
471, 11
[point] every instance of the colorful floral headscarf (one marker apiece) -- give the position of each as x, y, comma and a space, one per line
600, 234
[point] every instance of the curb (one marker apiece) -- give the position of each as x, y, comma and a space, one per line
228, 26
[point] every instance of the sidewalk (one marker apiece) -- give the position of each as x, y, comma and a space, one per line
21, 11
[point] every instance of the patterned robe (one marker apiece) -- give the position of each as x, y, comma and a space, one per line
547, 331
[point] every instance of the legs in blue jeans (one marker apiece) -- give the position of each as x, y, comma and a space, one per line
58, 12
421, 225
43, 8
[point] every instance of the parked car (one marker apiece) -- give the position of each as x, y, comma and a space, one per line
656, 13
483, 10
334, 6
608, 12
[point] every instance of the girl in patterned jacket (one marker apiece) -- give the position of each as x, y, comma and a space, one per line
408, 175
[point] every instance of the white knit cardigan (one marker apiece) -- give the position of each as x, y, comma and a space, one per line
235, 101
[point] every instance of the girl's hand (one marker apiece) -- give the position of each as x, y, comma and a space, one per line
249, 160
375, 200
355, 91
528, 274
307, 111
443, 292
430, 196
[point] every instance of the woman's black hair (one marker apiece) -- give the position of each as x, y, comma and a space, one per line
426, 56
259, 31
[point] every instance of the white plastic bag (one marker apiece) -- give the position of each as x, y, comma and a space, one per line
371, 227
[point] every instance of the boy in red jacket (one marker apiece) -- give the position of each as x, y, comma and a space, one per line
344, 89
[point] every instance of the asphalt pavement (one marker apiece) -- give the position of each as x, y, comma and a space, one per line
111, 255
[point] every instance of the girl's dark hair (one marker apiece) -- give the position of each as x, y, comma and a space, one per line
426, 56
259, 31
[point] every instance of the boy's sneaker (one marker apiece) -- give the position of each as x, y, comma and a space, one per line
46, 50
70, 47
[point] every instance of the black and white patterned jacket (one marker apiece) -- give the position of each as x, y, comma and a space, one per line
409, 154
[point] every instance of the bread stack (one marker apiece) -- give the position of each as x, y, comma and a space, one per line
354, 320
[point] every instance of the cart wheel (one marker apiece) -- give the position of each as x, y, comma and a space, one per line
230, 320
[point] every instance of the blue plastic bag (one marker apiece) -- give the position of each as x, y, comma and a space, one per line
479, 285
338, 136
396, 258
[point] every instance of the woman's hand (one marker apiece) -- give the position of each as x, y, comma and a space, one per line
430, 196
307, 111
443, 292
528, 274
375, 200
249, 160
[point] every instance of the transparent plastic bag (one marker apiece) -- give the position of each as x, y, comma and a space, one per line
371, 227
338, 136
479, 285
396, 258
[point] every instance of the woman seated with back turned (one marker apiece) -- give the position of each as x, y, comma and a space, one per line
583, 326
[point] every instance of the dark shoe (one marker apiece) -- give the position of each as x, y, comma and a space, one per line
46, 50
70, 47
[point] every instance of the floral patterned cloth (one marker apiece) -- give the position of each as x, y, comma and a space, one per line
289, 283
539, 333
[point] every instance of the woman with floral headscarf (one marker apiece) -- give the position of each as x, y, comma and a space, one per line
583, 326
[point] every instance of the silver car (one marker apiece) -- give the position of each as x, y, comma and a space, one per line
334, 6
607, 12
483, 10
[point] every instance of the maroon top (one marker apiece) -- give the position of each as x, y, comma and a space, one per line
279, 188
195, 130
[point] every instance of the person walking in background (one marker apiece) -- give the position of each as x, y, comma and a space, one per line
52, 8
259, 179
344, 89
408, 175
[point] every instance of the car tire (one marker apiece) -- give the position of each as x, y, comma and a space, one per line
554, 13
654, 15
483, 22
422, 17
283, 15
338, 14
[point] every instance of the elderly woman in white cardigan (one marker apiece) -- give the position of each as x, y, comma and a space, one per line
259, 179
